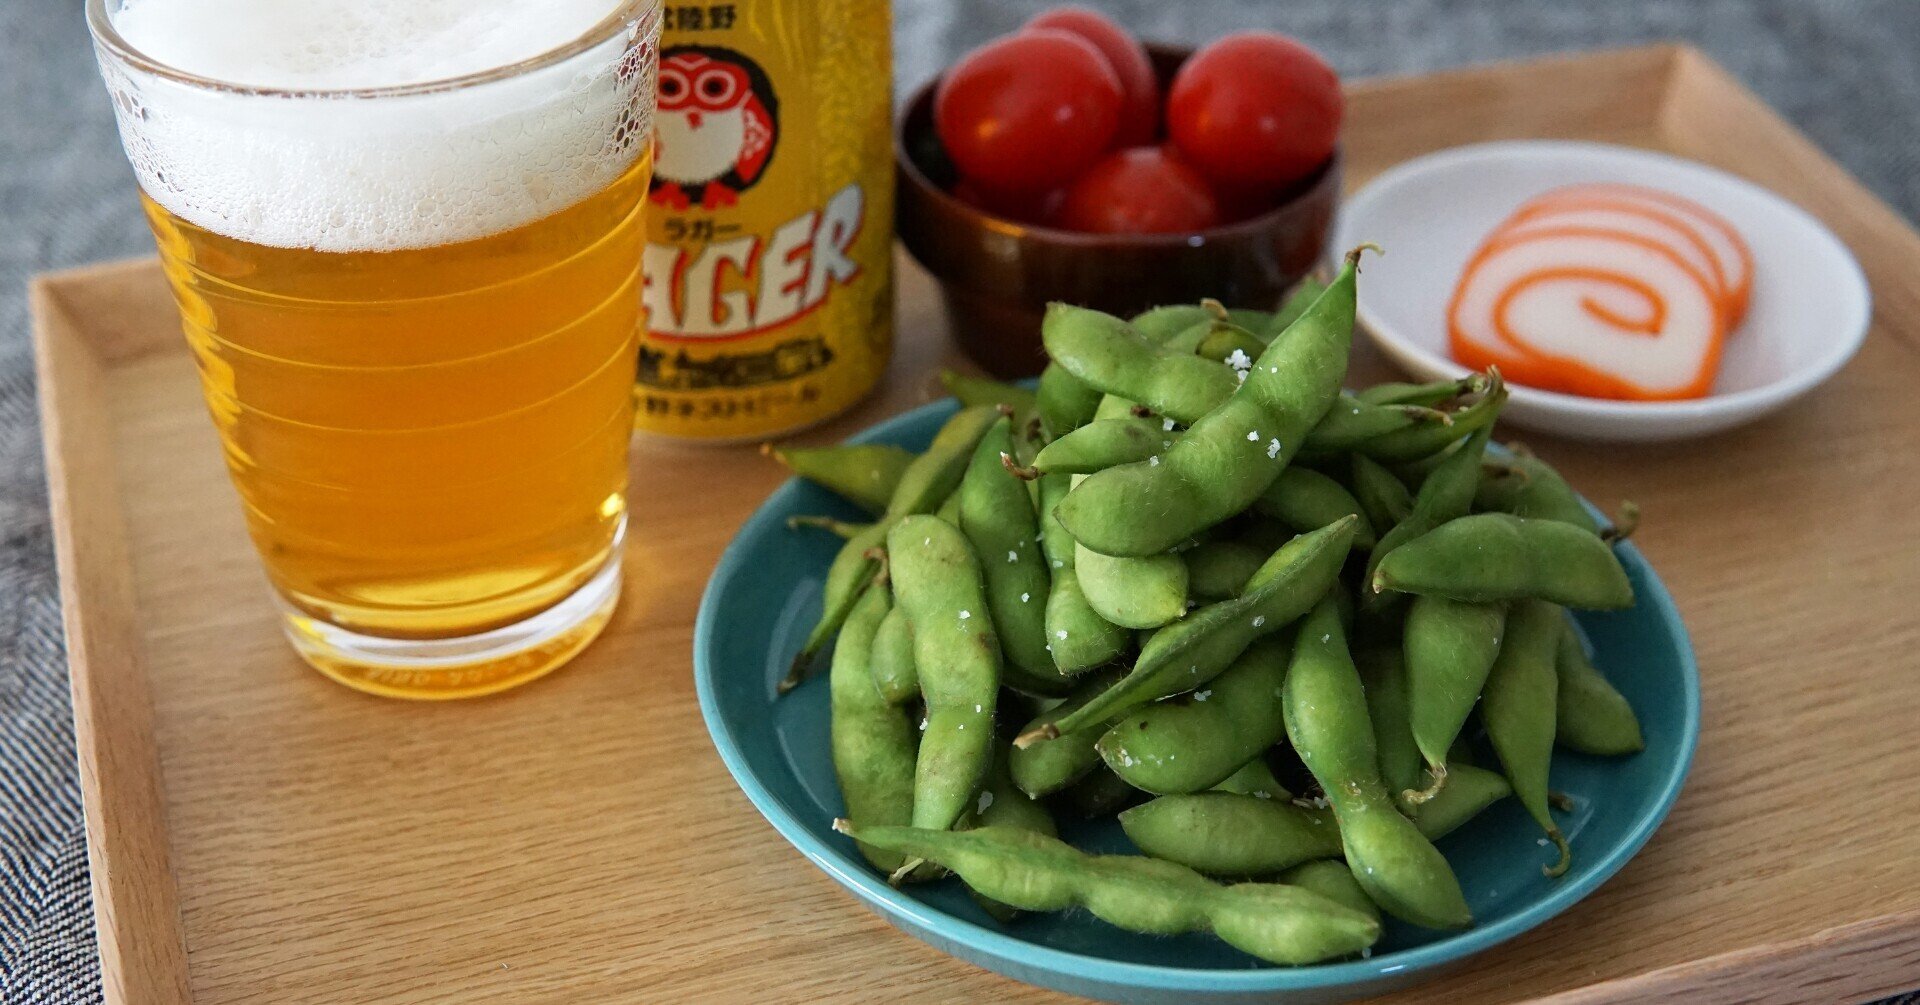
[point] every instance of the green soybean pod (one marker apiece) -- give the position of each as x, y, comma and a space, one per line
1032, 872
1430, 394
1444, 495
872, 741
841, 529
999, 520
1108, 354
1381, 494
894, 673
1303, 499
1144, 592
1254, 778
1526, 486
1302, 296
1103, 443
1227, 834
1219, 570
1518, 707
925, 483
1194, 650
1384, 676
937, 582
1065, 402
864, 474
1449, 646
1251, 320
1000, 804
1078, 638
1327, 720
1330, 878
1225, 339
1162, 323
1592, 716
1046, 768
1352, 423
1191, 745
1231, 453
1469, 790
970, 390
1493, 556
1419, 441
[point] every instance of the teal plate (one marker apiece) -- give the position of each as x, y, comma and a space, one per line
765, 594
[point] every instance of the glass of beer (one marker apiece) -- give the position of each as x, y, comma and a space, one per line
405, 239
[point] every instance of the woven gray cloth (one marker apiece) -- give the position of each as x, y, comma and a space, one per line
1843, 70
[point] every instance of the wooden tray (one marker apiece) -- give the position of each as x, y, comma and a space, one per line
261, 834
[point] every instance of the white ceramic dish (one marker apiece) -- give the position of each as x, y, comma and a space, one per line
1809, 311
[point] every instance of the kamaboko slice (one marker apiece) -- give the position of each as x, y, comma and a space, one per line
1605, 315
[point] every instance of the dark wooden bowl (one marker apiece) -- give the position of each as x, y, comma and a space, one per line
997, 275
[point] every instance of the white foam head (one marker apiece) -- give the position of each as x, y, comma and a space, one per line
339, 172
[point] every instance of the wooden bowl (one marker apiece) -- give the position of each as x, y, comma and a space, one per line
997, 275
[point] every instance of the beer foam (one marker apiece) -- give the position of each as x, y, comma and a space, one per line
341, 172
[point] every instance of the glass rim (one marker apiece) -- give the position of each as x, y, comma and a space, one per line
623, 16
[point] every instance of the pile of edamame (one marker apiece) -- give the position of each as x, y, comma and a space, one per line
1189, 571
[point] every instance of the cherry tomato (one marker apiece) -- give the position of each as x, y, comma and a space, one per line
1139, 87
1140, 190
1027, 112
1255, 111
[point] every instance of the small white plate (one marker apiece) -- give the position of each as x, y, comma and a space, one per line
1808, 315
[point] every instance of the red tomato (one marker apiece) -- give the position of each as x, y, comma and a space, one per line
1027, 112
1142, 190
1255, 111
1140, 107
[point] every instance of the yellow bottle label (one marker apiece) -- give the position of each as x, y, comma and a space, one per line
769, 285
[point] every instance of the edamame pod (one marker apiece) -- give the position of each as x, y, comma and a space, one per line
1219, 570
1254, 778
927, 481
1230, 454
1078, 638
1064, 401
972, 390
937, 582
1593, 717
1385, 678
1175, 747
1419, 441
894, 673
1000, 804
1194, 650
1162, 323
998, 517
1351, 423
872, 741
1469, 790
1382, 495
1449, 646
864, 474
1103, 443
1331, 879
1046, 768
1492, 556
1327, 720
1444, 495
1526, 486
1226, 834
1518, 708
1108, 354
1032, 872
1430, 394
1303, 499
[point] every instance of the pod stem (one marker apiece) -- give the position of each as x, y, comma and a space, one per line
796, 672
1215, 308
906, 870
1623, 525
1016, 469
1436, 780
1559, 868
1039, 734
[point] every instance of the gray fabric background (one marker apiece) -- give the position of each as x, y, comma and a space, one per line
1843, 70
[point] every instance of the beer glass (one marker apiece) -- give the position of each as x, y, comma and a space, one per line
414, 307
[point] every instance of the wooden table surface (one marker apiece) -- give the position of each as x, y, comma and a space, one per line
579, 840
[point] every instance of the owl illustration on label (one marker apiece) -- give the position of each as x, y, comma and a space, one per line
716, 127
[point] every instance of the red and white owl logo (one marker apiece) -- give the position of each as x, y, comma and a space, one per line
716, 127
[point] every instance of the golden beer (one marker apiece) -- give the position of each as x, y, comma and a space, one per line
425, 402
